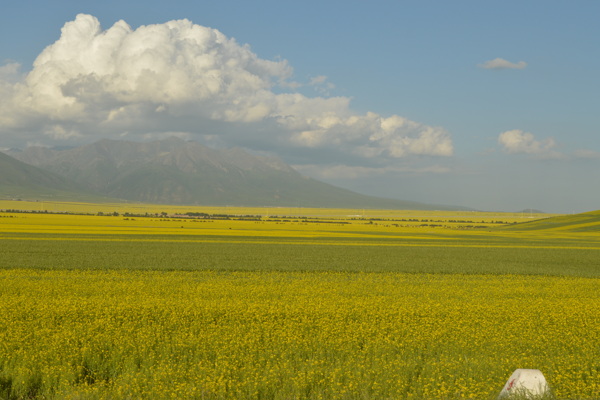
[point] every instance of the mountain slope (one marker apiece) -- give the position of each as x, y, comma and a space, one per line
18, 179
173, 171
15, 172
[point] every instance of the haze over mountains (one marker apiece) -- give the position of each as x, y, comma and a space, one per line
174, 171
18, 179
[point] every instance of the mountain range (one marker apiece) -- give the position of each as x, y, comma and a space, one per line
174, 171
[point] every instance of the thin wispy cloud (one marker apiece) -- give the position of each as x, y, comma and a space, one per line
322, 85
355, 172
500, 63
586, 153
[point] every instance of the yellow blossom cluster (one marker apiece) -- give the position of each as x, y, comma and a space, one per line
118, 334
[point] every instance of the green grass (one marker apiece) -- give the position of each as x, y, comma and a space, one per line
584, 222
224, 256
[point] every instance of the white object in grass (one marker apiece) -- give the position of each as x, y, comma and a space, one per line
526, 383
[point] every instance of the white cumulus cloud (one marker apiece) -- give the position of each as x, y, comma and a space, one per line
517, 141
500, 63
194, 80
9, 72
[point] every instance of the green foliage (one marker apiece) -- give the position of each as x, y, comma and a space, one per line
251, 256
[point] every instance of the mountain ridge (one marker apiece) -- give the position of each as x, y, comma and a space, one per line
174, 171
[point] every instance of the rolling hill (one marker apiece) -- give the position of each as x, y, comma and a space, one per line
174, 171
584, 222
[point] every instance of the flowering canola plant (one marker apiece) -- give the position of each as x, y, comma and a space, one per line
106, 334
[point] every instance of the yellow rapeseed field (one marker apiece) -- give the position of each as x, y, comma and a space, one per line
133, 208
288, 306
431, 227
291, 335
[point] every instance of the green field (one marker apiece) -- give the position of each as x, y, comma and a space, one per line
331, 304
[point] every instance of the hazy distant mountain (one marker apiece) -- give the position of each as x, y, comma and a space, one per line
20, 180
173, 171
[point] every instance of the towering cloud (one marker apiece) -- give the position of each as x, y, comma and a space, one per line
192, 80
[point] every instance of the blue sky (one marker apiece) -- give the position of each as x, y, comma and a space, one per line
490, 105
